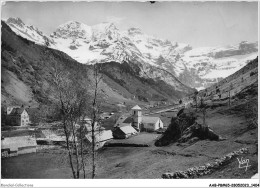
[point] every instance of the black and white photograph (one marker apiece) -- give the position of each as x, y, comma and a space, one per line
130, 90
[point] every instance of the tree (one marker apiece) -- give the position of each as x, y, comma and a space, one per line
44, 113
75, 104
71, 106
97, 78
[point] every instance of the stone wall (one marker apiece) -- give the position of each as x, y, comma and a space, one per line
206, 168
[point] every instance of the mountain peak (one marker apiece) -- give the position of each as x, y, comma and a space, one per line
15, 21
77, 30
73, 29
104, 30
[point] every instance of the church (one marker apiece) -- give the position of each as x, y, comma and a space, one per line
140, 122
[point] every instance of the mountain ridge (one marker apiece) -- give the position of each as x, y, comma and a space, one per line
198, 68
26, 79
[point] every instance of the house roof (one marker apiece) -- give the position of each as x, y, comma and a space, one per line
101, 136
13, 107
17, 111
136, 107
148, 119
121, 119
128, 120
17, 142
128, 129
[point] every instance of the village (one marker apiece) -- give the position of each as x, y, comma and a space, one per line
127, 145
24, 137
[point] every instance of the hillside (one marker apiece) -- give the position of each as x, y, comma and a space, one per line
26, 70
235, 83
26, 76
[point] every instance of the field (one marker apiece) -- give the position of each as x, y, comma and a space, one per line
142, 138
33, 166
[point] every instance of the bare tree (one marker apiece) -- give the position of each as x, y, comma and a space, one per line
95, 109
73, 105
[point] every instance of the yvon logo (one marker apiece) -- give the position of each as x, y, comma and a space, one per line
243, 163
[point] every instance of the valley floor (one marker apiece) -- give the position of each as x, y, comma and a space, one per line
151, 162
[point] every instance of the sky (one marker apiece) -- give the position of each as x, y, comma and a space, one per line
199, 24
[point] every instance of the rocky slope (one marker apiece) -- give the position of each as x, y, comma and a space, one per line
245, 78
198, 68
26, 76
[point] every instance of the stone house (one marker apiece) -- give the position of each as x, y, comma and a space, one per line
124, 132
151, 123
17, 117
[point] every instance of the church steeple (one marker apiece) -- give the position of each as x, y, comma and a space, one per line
137, 116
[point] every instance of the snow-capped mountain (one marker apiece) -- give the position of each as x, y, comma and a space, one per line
199, 67
29, 32
204, 66
27, 68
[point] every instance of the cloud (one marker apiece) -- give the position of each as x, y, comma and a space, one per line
114, 19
